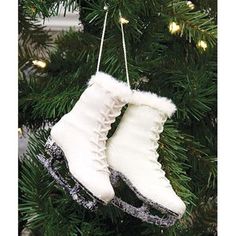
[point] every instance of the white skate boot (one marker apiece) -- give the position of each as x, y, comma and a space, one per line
131, 154
82, 133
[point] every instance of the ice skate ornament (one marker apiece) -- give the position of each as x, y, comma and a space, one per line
81, 195
79, 141
136, 162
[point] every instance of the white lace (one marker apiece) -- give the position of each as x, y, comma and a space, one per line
155, 136
104, 125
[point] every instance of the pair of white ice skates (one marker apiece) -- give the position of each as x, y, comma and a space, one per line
81, 135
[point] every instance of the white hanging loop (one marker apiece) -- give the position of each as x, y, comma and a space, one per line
124, 21
102, 39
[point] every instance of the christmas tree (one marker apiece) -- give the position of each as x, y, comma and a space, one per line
171, 50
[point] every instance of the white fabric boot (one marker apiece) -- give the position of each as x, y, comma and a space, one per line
131, 151
82, 133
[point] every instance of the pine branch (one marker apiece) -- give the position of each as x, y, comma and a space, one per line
34, 42
47, 8
206, 213
174, 157
42, 103
193, 86
195, 25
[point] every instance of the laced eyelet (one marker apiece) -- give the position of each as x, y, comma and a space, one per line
155, 136
104, 125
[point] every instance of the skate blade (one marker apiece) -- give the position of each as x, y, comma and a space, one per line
143, 213
77, 191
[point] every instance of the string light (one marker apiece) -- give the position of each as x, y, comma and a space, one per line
20, 132
174, 28
33, 9
40, 64
191, 5
202, 44
123, 20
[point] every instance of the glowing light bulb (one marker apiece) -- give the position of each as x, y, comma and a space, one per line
40, 64
33, 9
20, 132
191, 5
123, 20
174, 28
202, 44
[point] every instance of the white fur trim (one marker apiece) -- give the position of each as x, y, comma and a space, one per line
163, 104
117, 88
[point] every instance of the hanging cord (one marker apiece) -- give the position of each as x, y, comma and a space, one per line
124, 21
102, 39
